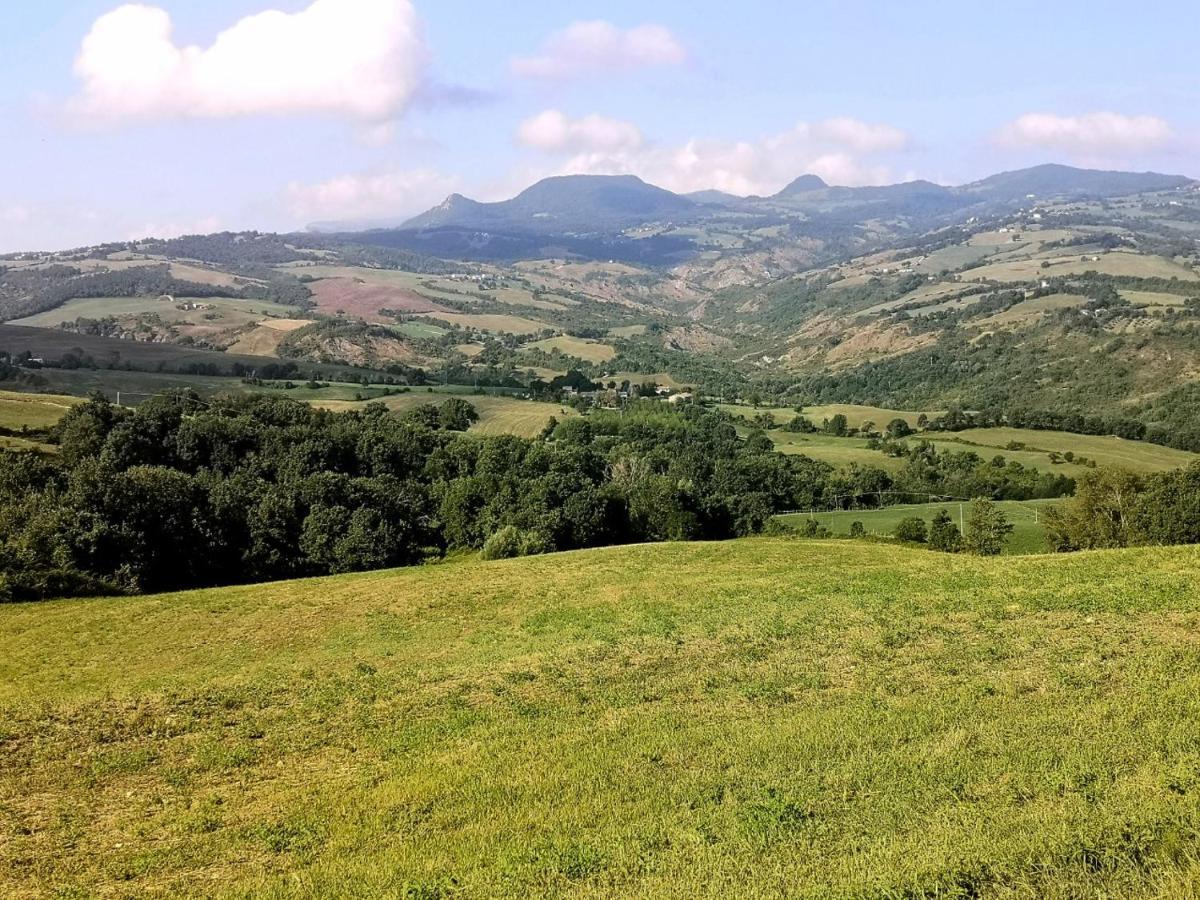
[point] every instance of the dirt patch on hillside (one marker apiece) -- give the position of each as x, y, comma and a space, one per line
364, 301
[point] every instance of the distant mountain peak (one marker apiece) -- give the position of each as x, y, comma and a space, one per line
805, 184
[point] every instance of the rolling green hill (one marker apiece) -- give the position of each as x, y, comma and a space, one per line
761, 718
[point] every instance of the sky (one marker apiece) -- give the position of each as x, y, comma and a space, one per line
119, 122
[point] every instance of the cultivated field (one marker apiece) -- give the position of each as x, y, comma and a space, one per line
1028, 520
498, 323
497, 415
588, 351
755, 719
1138, 456
33, 411
217, 312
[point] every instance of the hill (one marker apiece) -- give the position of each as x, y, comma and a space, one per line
584, 203
750, 718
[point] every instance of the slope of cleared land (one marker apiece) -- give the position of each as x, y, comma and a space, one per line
1138, 456
497, 415
753, 719
33, 411
1028, 519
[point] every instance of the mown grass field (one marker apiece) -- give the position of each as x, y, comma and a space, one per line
588, 351
1138, 456
32, 411
1028, 519
756, 719
856, 416
834, 450
497, 415
229, 312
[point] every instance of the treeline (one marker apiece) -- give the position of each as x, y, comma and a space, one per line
182, 493
1114, 508
23, 294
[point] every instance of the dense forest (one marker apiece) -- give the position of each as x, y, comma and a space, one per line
182, 493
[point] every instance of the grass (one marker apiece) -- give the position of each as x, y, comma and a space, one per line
497, 415
588, 351
755, 719
497, 323
1028, 519
856, 416
33, 411
834, 450
232, 312
1137, 456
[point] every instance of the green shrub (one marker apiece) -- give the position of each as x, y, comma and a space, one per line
503, 544
912, 530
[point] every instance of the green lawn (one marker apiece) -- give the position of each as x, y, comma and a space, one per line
762, 718
1028, 519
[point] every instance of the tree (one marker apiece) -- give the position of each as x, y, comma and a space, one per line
898, 428
858, 530
838, 426
912, 531
944, 535
988, 529
457, 414
1101, 514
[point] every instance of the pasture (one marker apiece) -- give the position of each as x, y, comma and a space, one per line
497, 414
1137, 456
755, 719
1027, 517
35, 412
579, 348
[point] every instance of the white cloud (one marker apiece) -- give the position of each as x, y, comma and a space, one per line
554, 132
386, 195
585, 48
359, 58
1094, 133
841, 150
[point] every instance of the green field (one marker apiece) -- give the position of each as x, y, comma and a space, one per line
856, 416
231, 312
1028, 519
834, 450
762, 718
588, 351
32, 411
497, 415
1138, 456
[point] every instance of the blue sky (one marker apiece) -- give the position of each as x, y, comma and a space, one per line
112, 128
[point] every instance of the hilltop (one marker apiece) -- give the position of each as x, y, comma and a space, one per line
821, 718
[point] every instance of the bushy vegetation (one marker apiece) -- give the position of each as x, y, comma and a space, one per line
185, 493
1116, 508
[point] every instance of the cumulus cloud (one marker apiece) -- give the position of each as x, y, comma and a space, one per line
555, 132
1094, 133
586, 48
385, 195
840, 150
359, 58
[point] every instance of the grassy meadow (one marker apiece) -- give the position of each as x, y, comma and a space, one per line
497, 414
35, 412
761, 718
1027, 517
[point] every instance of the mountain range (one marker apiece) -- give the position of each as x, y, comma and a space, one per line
599, 204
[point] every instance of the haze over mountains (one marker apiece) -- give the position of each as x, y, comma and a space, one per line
596, 204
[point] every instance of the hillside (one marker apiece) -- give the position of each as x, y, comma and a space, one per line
750, 718
587, 203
